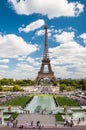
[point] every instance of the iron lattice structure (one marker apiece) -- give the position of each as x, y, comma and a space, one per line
45, 62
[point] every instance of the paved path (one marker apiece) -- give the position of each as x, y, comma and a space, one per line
48, 121
45, 120
65, 128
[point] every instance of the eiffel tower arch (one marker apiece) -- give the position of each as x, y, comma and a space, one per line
45, 62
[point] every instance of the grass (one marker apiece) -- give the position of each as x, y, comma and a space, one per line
18, 101
23, 100
12, 117
65, 101
58, 117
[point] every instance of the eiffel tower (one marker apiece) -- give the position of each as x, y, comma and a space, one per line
45, 62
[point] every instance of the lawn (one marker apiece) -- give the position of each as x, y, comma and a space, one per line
18, 101
65, 101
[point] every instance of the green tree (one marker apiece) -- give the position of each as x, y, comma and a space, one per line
5, 81
82, 83
69, 88
1, 88
17, 88
63, 87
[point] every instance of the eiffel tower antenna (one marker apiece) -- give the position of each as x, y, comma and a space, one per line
45, 62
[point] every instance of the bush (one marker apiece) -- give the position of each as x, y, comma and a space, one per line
17, 88
58, 117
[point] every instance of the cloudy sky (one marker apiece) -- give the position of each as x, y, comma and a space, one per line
22, 37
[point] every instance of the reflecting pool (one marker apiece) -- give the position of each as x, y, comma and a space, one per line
41, 102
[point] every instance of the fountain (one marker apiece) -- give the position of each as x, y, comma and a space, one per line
40, 103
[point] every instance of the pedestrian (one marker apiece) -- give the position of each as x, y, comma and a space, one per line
31, 123
38, 122
42, 112
16, 123
71, 123
78, 121
65, 123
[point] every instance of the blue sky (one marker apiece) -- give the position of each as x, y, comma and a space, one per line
22, 37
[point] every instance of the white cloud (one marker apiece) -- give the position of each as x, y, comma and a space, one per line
24, 66
68, 59
51, 8
5, 61
83, 36
31, 60
13, 46
35, 62
65, 37
33, 26
40, 33
24, 71
21, 58
4, 67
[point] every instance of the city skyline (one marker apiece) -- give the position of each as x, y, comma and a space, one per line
22, 37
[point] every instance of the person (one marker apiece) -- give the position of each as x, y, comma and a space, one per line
71, 123
21, 126
0, 120
42, 112
8, 123
38, 122
31, 123
65, 123
11, 119
78, 121
16, 123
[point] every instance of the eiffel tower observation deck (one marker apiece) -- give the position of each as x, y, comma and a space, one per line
45, 63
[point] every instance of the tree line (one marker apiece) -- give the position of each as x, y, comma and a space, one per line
65, 84
17, 84
71, 84
10, 82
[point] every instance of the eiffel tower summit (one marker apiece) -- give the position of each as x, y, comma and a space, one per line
45, 62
